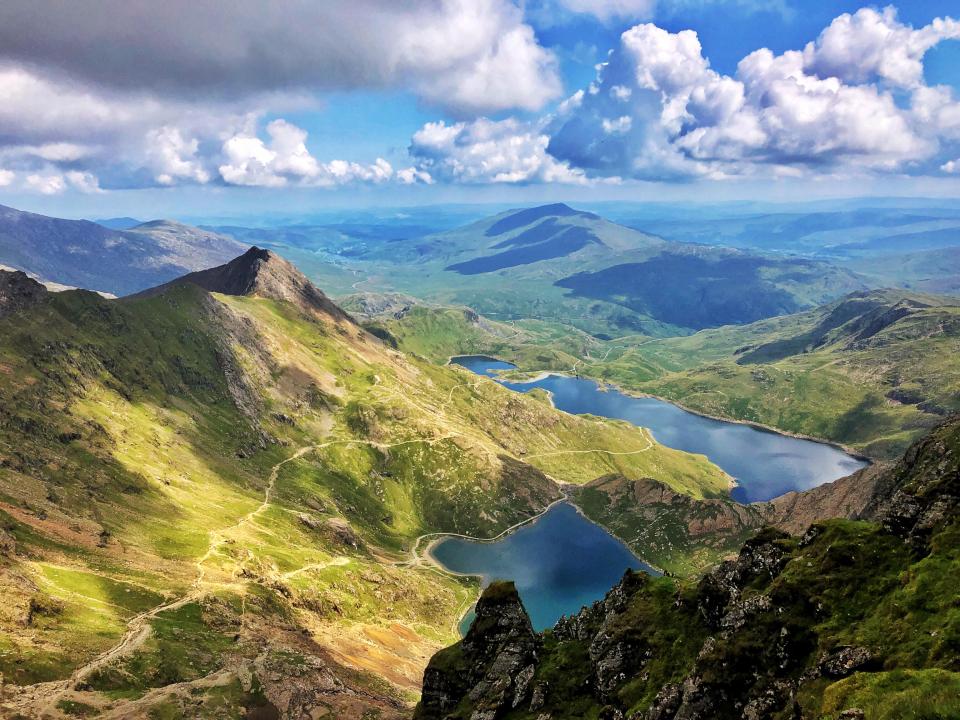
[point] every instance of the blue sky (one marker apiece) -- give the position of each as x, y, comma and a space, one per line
236, 108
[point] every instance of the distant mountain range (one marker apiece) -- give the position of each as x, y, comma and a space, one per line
80, 253
551, 263
559, 264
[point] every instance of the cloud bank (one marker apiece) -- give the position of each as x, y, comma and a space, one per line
166, 93
853, 100
156, 98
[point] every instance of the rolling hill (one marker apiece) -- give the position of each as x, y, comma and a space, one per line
80, 253
211, 495
555, 262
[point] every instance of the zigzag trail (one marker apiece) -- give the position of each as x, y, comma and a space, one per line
138, 627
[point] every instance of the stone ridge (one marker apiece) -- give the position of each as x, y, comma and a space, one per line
491, 667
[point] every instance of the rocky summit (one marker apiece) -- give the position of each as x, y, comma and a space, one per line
259, 273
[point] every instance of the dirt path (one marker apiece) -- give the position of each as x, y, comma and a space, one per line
646, 435
138, 627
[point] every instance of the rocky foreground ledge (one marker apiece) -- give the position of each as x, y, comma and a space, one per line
853, 619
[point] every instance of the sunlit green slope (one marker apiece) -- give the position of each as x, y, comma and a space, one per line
208, 500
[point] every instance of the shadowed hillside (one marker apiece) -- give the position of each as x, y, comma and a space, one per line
80, 253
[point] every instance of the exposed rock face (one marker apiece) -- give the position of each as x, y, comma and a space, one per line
760, 558
18, 291
490, 669
262, 273
847, 497
922, 492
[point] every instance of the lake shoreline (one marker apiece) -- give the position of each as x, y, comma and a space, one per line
426, 554
532, 376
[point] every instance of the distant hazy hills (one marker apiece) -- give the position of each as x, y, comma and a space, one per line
557, 263
85, 254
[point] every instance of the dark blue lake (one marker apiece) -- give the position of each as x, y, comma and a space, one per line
559, 563
765, 464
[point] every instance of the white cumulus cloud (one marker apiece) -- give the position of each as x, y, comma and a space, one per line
174, 157
285, 160
488, 151
658, 111
870, 45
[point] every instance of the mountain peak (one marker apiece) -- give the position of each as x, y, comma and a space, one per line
520, 218
262, 273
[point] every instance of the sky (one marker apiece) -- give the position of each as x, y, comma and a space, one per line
242, 107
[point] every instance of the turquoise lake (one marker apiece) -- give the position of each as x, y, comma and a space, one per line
563, 561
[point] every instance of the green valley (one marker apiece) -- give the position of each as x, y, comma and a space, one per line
873, 371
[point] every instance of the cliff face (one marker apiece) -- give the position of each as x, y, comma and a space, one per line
491, 668
849, 620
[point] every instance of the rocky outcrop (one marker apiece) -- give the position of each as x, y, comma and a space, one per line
922, 492
489, 671
18, 292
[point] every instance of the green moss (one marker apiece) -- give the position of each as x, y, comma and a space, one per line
896, 695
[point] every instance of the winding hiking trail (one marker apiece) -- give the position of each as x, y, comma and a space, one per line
138, 627
48, 695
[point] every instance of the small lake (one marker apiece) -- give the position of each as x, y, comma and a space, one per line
560, 562
765, 464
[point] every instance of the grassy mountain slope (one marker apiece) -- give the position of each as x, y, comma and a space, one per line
873, 370
80, 253
208, 500
855, 619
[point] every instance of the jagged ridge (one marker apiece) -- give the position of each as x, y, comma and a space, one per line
260, 273
18, 291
